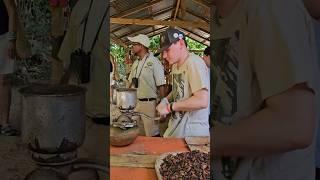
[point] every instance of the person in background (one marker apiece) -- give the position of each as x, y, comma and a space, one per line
264, 104
128, 63
313, 6
147, 75
206, 56
112, 76
207, 60
188, 101
8, 36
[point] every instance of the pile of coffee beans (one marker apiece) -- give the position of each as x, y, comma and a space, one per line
188, 165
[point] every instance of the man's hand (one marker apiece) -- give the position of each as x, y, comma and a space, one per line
12, 49
163, 107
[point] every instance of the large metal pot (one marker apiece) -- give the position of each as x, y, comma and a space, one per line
53, 118
126, 98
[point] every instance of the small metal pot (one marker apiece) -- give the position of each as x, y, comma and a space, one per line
126, 98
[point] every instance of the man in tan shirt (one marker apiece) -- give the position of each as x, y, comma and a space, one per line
147, 75
188, 102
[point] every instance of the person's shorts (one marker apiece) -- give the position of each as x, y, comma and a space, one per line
6, 64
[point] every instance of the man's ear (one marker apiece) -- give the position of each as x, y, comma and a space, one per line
181, 43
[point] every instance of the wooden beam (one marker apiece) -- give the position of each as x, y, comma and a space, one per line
204, 29
145, 22
136, 9
151, 12
146, 17
187, 31
177, 9
134, 32
116, 7
197, 16
153, 33
131, 33
182, 8
157, 31
119, 42
202, 3
147, 33
199, 36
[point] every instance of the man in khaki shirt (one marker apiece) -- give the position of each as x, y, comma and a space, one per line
188, 102
147, 75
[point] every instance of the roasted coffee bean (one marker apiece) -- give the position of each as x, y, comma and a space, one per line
194, 165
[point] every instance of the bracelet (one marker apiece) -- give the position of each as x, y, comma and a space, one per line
171, 104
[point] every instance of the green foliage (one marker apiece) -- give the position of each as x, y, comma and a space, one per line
118, 52
194, 45
155, 42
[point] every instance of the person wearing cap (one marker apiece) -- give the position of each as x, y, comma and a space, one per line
206, 56
188, 101
147, 75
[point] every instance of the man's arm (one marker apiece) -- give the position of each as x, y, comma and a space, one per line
199, 100
286, 123
162, 91
11, 8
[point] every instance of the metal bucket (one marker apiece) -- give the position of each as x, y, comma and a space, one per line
53, 118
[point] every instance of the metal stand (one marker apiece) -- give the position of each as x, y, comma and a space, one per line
63, 171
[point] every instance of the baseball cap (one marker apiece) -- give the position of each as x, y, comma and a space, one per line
142, 39
169, 37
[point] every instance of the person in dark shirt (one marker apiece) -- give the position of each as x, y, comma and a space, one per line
206, 56
7, 56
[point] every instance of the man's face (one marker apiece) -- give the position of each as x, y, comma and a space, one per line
136, 48
172, 54
206, 60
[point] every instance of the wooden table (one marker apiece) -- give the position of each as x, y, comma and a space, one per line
148, 146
